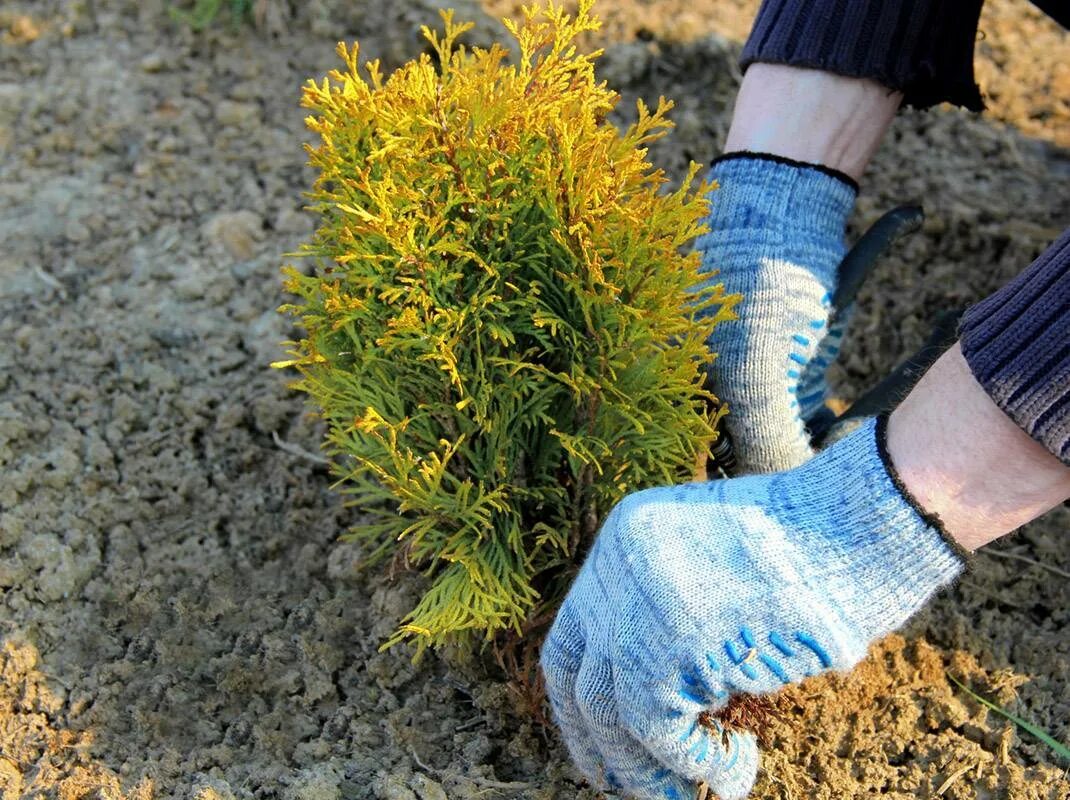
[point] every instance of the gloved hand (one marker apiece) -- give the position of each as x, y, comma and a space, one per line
777, 237
693, 593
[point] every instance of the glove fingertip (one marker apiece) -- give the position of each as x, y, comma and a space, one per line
735, 778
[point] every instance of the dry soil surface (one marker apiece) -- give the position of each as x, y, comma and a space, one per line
178, 618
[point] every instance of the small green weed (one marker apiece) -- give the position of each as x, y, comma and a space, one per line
1059, 748
204, 12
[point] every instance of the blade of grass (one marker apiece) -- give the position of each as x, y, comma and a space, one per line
1059, 748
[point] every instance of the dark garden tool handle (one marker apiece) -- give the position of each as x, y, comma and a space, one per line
722, 458
862, 258
887, 394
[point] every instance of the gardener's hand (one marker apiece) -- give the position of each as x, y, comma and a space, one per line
693, 593
777, 237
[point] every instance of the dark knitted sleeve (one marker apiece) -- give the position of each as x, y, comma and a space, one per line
1017, 343
923, 48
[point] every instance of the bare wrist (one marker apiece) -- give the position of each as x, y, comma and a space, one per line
964, 460
811, 116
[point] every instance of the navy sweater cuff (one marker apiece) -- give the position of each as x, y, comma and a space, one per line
923, 48
1017, 343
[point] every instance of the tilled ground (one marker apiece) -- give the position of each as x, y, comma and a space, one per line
178, 618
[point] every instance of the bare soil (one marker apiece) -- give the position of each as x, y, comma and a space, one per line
178, 618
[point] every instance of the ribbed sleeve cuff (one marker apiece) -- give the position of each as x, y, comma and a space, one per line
1017, 343
923, 48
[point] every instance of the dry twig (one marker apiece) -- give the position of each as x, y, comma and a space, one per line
954, 776
51, 280
1026, 560
294, 450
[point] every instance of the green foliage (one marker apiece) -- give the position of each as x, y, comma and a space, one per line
502, 332
204, 12
1060, 749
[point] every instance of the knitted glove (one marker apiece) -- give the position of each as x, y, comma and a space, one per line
777, 237
693, 593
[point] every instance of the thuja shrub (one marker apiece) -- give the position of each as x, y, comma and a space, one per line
503, 334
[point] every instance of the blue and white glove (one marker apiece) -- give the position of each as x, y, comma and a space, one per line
777, 237
694, 593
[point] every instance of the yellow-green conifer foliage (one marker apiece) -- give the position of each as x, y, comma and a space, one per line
502, 332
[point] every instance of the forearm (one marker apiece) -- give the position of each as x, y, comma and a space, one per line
965, 460
1017, 344
922, 48
811, 116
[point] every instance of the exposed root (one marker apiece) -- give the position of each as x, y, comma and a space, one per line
745, 712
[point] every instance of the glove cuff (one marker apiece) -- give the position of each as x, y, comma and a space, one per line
751, 155
886, 556
766, 206
930, 518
